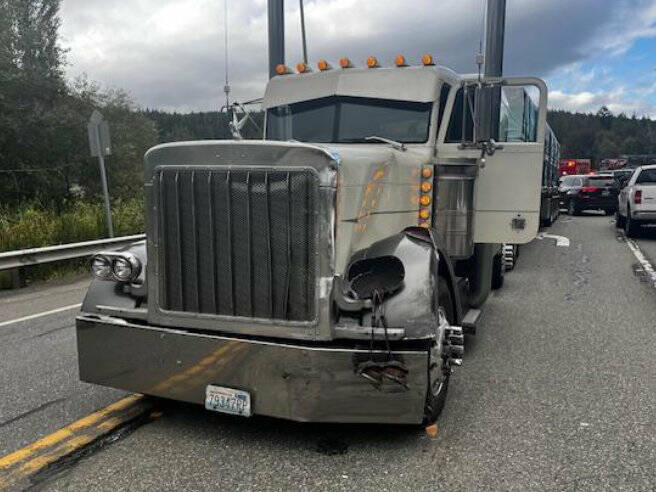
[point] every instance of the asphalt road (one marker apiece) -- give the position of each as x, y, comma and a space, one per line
38, 365
557, 392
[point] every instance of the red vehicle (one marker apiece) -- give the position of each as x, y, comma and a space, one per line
574, 166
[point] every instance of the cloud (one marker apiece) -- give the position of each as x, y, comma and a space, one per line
169, 53
618, 101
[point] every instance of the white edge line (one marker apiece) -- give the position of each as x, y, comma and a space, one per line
39, 315
644, 262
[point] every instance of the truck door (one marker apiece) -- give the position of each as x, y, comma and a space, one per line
507, 189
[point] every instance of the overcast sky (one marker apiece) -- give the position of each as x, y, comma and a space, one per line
169, 54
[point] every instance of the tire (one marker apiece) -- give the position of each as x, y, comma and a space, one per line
556, 213
619, 220
572, 209
631, 227
436, 397
498, 270
547, 222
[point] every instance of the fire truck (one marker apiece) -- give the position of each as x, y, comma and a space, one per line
330, 271
569, 167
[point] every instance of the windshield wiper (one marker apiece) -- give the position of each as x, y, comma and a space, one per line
393, 143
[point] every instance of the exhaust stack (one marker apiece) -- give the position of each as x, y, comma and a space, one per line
276, 15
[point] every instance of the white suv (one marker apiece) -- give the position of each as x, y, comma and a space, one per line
637, 201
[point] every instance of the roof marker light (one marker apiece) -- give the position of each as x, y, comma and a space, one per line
282, 69
302, 68
427, 59
345, 62
323, 65
372, 62
400, 61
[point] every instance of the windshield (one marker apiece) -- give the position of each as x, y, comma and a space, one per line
342, 119
647, 176
601, 181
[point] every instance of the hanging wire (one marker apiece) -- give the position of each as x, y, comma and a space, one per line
40, 170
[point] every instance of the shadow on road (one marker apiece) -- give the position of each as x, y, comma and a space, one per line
258, 431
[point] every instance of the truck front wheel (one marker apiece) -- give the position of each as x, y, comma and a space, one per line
498, 270
437, 389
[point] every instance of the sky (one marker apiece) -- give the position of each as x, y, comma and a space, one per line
170, 54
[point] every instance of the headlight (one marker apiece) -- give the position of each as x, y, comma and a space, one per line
121, 267
101, 267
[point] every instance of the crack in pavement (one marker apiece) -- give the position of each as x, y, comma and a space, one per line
32, 411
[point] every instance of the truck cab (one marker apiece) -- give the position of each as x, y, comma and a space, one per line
326, 272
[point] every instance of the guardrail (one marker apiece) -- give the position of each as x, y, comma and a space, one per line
17, 260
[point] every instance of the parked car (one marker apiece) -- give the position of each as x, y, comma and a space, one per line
637, 201
589, 192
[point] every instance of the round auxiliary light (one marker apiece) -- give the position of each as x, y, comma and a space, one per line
282, 69
372, 62
424, 213
400, 61
427, 172
101, 267
425, 200
126, 268
426, 186
424, 223
345, 62
323, 65
427, 59
301, 67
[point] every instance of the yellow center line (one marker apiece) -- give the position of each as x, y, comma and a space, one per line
67, 432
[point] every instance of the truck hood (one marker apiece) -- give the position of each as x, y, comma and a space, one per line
377, 187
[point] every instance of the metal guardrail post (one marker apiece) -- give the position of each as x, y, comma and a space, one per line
17, 278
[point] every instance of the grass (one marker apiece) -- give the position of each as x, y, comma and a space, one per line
33, 226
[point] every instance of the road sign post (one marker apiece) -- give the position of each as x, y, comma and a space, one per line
100, 145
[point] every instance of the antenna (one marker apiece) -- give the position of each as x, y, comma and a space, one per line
480, 57
226, 87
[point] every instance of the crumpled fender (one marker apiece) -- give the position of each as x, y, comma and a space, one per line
411, 307
115, 294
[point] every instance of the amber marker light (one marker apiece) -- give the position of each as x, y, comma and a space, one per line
282, 69
400, 61
423, 223
427, 59
426, 186
345, 62
425, 200
323, 65
424, 213
427, 172
372, 62
302, 67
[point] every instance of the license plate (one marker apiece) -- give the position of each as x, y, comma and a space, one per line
227, 400
605, 193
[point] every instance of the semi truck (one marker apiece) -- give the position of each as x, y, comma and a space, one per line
330, 271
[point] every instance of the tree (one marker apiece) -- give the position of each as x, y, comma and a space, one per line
43, 137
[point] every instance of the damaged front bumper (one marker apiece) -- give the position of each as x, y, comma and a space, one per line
292, 380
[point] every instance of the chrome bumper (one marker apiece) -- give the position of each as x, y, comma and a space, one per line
291, 381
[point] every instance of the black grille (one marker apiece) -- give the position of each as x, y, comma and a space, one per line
238, 242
